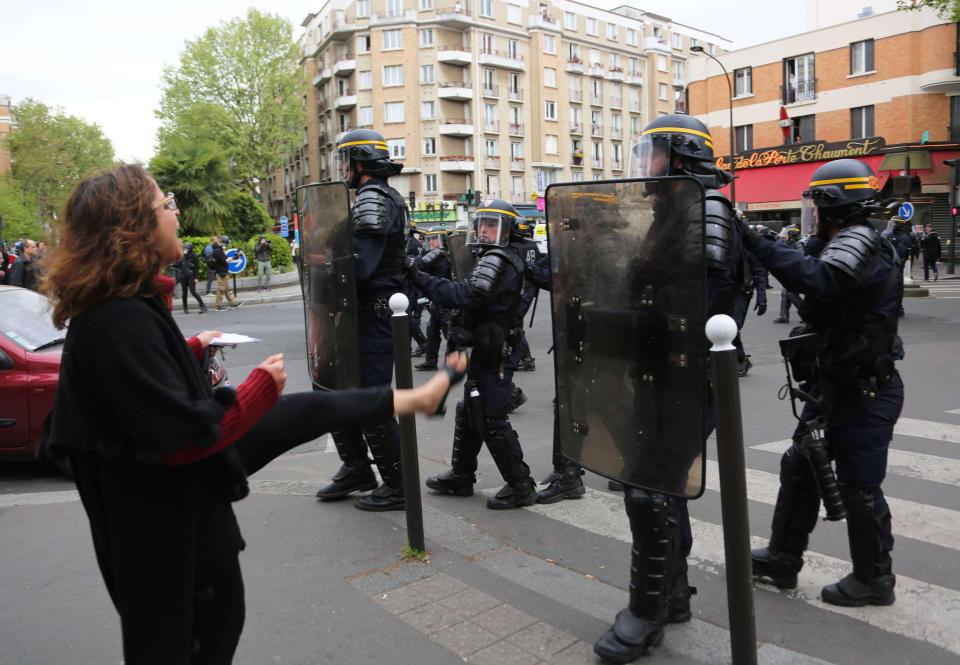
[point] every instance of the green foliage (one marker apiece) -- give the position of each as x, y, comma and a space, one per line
19, 213
239, 85
280, 257
199, 174
945, 9
409, 552
50, 152
246, 217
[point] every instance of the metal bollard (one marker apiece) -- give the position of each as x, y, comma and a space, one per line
721, 330
408, 425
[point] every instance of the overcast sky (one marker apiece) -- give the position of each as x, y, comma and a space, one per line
101, 59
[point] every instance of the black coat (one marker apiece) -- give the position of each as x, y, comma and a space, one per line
219, 261
24, 273
931, 247
188, 266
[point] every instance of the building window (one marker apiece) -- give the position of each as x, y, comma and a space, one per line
861, 122
799, 83
363, 8
658, 33
743, 81
694, 42
612, 32
573, 53
517, 193
394, 7
430, 145
514, 15
677, 40
569, 20
678, 72
493, 148
615, 61
662, 91
805, 129
428, 110
365, 116
633, 67
744, 137
493, 186
486, 8
551, 145
364, 80
662, 63
861, 57
426, 4
550, 110
392, 39
426, 37
397, 148
516, 150
363, 43
392, 75
550, 77
592, 26
549, 44
513, 49
515, 115
430, 182
631, 37
393, 112
426, 74
487, 43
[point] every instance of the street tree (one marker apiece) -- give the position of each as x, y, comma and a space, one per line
199, 175
946, 9
247, 217
19, 213
240, 86
50, 152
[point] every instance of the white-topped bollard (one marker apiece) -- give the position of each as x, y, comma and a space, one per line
408, 425
721, 331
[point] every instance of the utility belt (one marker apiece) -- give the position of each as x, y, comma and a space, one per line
491, 342
865, 372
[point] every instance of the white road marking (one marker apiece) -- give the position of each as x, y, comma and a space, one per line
38, 498
331, 447
927, 429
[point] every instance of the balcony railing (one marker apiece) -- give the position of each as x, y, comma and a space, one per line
596, 100
616, 133
596, 162
576, 95
518, 197
576, 128
616, 102
798, 91
634, 78
616, 165
596, 129
389, 18
574, 66
634, 105
492, 162
678, 82
491, 126
491, 91
517, 164
516, 128
515, 94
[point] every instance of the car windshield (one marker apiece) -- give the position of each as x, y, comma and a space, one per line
25, 319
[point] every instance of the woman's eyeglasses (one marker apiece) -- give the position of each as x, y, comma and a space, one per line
169, 202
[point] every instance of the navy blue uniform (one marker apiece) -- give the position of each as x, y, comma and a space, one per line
436, 262
754, 279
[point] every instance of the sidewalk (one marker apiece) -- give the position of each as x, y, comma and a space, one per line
284, 287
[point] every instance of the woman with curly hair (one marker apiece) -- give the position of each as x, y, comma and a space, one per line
158, 456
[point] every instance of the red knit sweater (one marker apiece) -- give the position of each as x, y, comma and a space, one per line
255, 397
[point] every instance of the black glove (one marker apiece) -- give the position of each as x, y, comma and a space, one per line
411, 266
761, 307
751, 239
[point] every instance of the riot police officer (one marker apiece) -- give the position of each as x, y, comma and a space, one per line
435, 260
378, 218
489, 300
754, 278
660, 524
531, 252
851, 278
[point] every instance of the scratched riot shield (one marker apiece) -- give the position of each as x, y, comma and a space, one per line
462, 255
329, 285
629, 309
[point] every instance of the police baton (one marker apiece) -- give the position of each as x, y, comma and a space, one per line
408, 424
721, 330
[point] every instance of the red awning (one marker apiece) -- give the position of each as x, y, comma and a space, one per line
786, 183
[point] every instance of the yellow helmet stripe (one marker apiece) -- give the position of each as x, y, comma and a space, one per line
680, 130
839, 181
866, 185
379, 144
504, 212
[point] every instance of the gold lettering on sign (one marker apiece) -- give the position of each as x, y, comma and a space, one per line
808, 152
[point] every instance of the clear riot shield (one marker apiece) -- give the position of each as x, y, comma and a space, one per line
329, 285
462, 255
629, 308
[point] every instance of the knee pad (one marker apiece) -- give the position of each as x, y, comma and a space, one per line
794, 468
649, 506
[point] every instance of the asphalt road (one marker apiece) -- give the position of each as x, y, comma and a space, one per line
302, 555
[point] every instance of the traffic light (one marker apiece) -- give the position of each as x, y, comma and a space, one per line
953, 211
476, 198
413, 199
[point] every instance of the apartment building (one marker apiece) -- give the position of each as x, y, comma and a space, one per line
6, 126
877, 88
484, 98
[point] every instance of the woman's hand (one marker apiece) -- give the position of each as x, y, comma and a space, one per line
274, 365
207, 336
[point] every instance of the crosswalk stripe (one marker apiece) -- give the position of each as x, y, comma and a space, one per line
923, 611
900, 463
930, 524
928, 429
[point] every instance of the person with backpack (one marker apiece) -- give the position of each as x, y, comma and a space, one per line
187, 270
218, 264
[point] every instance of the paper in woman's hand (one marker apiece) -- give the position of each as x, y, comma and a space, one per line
229, 339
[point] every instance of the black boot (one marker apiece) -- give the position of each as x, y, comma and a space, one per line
419, 351
429, 364
744, 367
527, 364
349, 478
640, 626
563, 484
678, 599
459, 480
517, 399
782, 559
186, 310
380, 437
614, 486
520, 490
450, 482
872, 580
516, 494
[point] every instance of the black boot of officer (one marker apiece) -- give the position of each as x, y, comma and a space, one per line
565, 482
354, 474
460, 478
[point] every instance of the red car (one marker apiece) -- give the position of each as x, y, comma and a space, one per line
30, 349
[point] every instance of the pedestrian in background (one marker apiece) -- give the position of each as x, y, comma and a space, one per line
25, 271
220, 268
187, 271
208, 261
262, 252
931, 253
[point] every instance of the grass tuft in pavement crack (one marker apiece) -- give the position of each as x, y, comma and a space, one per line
409, 552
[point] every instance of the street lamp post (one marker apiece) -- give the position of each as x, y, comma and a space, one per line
733, 170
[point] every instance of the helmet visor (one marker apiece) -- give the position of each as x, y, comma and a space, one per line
808, 215
490, 229
435, 241
649, 157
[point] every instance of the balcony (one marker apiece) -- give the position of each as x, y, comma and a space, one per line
346, 100
633, 79
574, 66
502, 59
454, 55
493, 194
492, 91
575, 95
393, 18
455, 16
322, 107
345, 66
576, 128
616, 133
678, 82
596, 100
323, 75
615, 74
456, 163
543, 22
656, 44
491, 126
455, 91
515, 95
798, 91
518, 197
596, 69
596, 162
596, 129
943, 80
341, 31
516, 129
634, 105
517, 164
577, 161
616, 102
616, 165
459, 127
492, 162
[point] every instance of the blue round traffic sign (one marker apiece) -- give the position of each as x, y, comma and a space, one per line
906, 211
236, 260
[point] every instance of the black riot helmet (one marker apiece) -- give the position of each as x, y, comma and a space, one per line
495, 224
368, 148
842, 190
676, 144
187, 247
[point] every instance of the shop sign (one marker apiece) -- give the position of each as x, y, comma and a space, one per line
773, 205
800, 153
